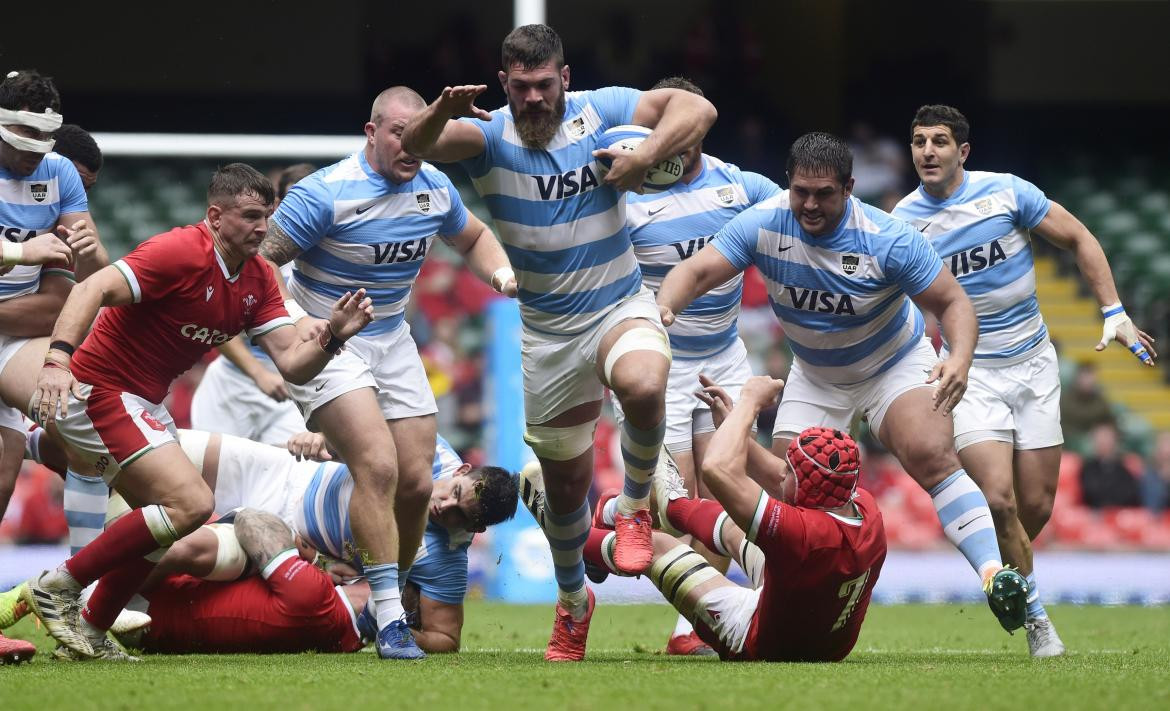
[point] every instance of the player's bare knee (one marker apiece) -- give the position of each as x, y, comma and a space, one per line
930, 463
374, 473
1002, 505
413, 491
643, 397
1034, 514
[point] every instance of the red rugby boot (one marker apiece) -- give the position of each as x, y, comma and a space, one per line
567, 643
15, 651
633, 550
689, 645
599, 510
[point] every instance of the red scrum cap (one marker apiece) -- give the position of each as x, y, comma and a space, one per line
827, 464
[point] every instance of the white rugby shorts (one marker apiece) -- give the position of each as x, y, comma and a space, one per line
11, 417
809, 402
560, 372
260, 476
1018, 404
388, 362
230, 402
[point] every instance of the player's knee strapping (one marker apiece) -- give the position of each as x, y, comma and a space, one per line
560, 444
966, 520
679, 572
230, 558
194, 444
751, 559
641, 338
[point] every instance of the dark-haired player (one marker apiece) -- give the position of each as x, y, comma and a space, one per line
588, 322
242, 393
76, 144
1007, 427
844, 279
166, 303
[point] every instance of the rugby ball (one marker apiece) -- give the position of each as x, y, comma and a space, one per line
626, 138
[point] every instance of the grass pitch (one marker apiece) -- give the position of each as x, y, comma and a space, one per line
908, 657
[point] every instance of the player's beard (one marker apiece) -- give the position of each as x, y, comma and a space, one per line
536, 129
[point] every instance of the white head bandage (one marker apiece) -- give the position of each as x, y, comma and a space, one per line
47, 122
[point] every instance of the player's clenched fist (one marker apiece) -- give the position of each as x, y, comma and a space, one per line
761, 390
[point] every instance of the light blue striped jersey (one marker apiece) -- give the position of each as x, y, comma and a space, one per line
842, 298
32, 205
359, 229
670, 226
982, 233
563, 229
440, 567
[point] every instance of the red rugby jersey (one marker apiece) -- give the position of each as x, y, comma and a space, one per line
185, 303
818, 578
297, 609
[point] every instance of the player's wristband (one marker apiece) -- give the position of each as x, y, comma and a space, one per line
500, 277
329, 342
1113, 310
295, 312
63, 346
12, 252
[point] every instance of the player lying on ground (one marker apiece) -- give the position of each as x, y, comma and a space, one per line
291, 606
312, 499
812, 558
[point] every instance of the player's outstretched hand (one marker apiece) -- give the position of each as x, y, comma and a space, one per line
952, 383
460, 101
51, 398
715, 398
81, 238
1123, 330
761, 390
350, 314
272, 385
309, 445
627, 170
46, 248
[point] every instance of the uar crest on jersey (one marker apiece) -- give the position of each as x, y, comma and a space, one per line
405, 251
568, 184
824, 302
977, 258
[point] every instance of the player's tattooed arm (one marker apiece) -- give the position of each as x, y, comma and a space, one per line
262, 535
277, 246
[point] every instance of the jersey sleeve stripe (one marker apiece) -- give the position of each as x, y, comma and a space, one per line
758, 516
131, 279
269, 326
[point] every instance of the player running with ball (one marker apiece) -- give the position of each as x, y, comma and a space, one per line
589, 323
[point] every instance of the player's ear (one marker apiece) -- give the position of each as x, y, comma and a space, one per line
849, 187
503, 80
565, 77
371, 128
214, 215
463, 469
964, 151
